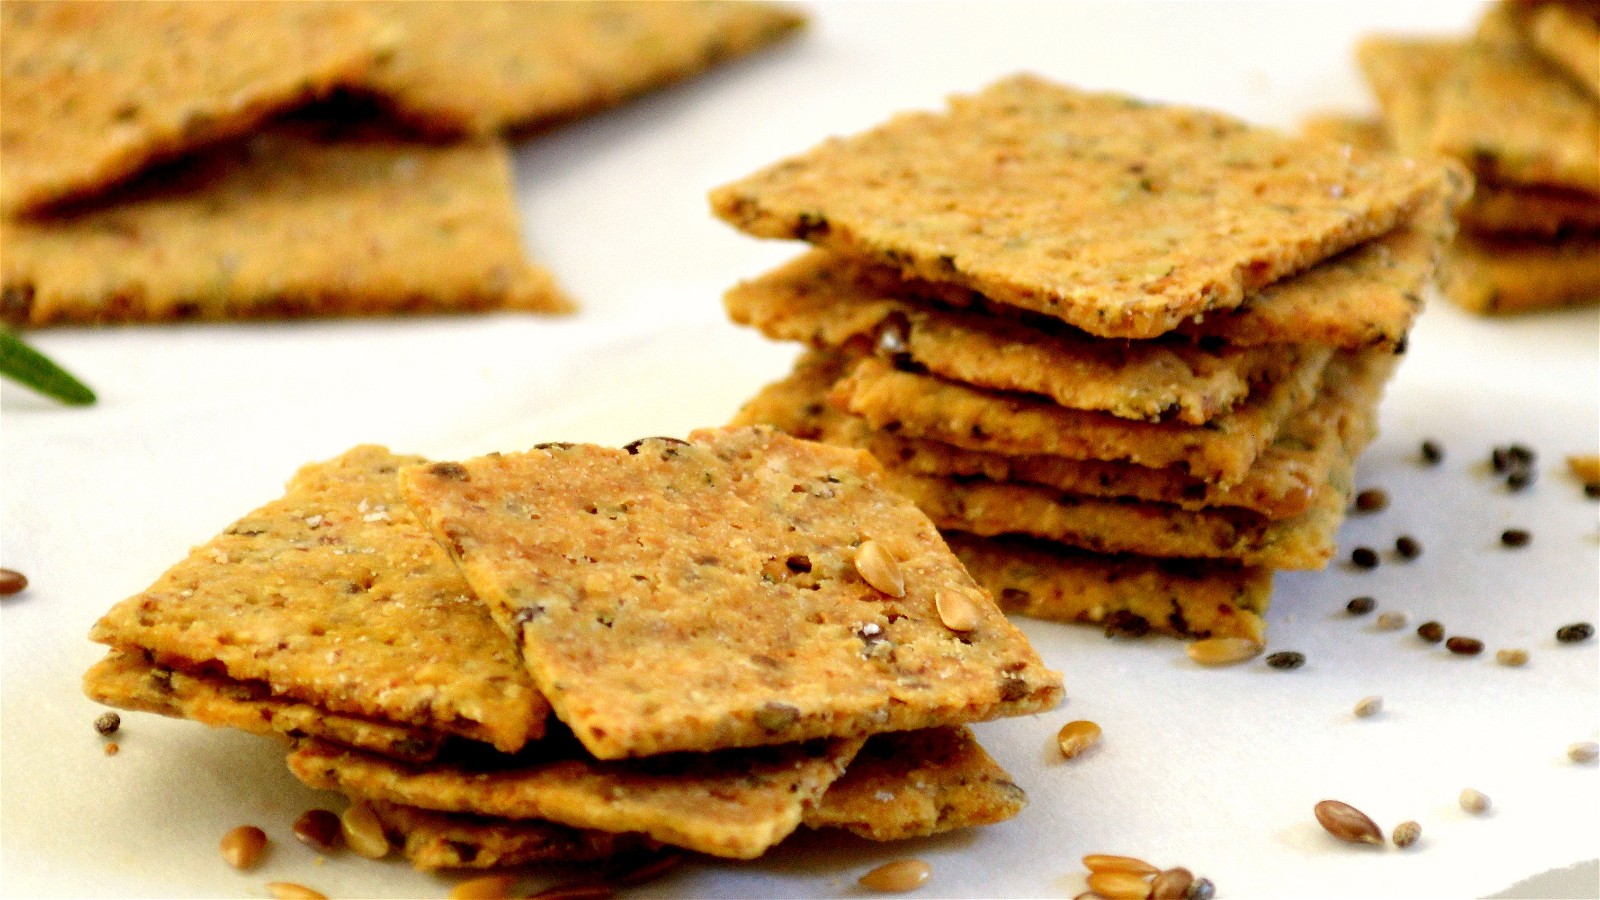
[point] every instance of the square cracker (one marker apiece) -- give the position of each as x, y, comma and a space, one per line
93, 92
1284, 482
497, 65
131, 679
335, 595
1222, 451
1492, 275
1121, 217
833, 302
1125, 594
301, 220
701, 595
731, 803
901, 785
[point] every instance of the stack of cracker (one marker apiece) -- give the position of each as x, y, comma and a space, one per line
120, 204
1518, 103
578, 652
1124, 354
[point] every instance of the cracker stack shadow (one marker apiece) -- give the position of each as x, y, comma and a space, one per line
1124, 354
121, 206
1518, 103
578, 652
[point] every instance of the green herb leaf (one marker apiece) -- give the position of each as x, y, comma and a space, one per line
27, 366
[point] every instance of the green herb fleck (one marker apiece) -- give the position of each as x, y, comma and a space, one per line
27, 366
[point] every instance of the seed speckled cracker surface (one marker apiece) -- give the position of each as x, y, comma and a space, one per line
1121, 217
1486, 274
694, 596
918, 783
335, 595
1127, 594
831, 302
130, 679
435, 840
732, 803
497, 65
301, 220
1282, 484
1222, 451
93, 92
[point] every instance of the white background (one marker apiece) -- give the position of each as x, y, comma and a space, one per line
1215, 770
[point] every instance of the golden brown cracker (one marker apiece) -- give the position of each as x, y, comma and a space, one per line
435, 840
130, 679
1125, 594
1121, 217
1282, 484
834, 302
1405, 73
335, 595
1222, 451
302, 220
1568, 34
1496, 276
917, 783
93, 92
733, 803
513, 64
694, 596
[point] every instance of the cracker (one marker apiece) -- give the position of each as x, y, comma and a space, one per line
1222, 451
918, 783
675, 596
301, 220
1282, 484
1514, 119
435, 840
1126, 594
1496, 276
1405, 73
336, 596
517, 64
93, 92
1568, 34
130, 679
733, 803
833, 302
1121, 217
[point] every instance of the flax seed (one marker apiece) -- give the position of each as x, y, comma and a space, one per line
1364, 558
1432, 632
318, 829
1347, 823
12, 582
1360, 606
1575, 633
1464, 646
1432, 453
1286, 659
1407, 547
1516, 537
1173, 884
1372, 500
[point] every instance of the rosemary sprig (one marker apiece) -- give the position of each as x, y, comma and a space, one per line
27, 366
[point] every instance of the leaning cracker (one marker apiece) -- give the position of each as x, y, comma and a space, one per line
1283, 483
1495, 276
1121, 217
693, 596
435, 840
1568, 34
93, 92
834, 302
1405, 73
1126, 594
1222, 451
335, 595
301, 220
918, 783
734, 803
130, 679
516, 64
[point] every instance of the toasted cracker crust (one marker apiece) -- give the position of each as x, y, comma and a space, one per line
517, 64
1127, 594
434, 840
1503, 276
301, 220
675, 596
1120, 217
832, 302
1282, 484
94, 92
1222, 451
130, 679
336, 596
732, 804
